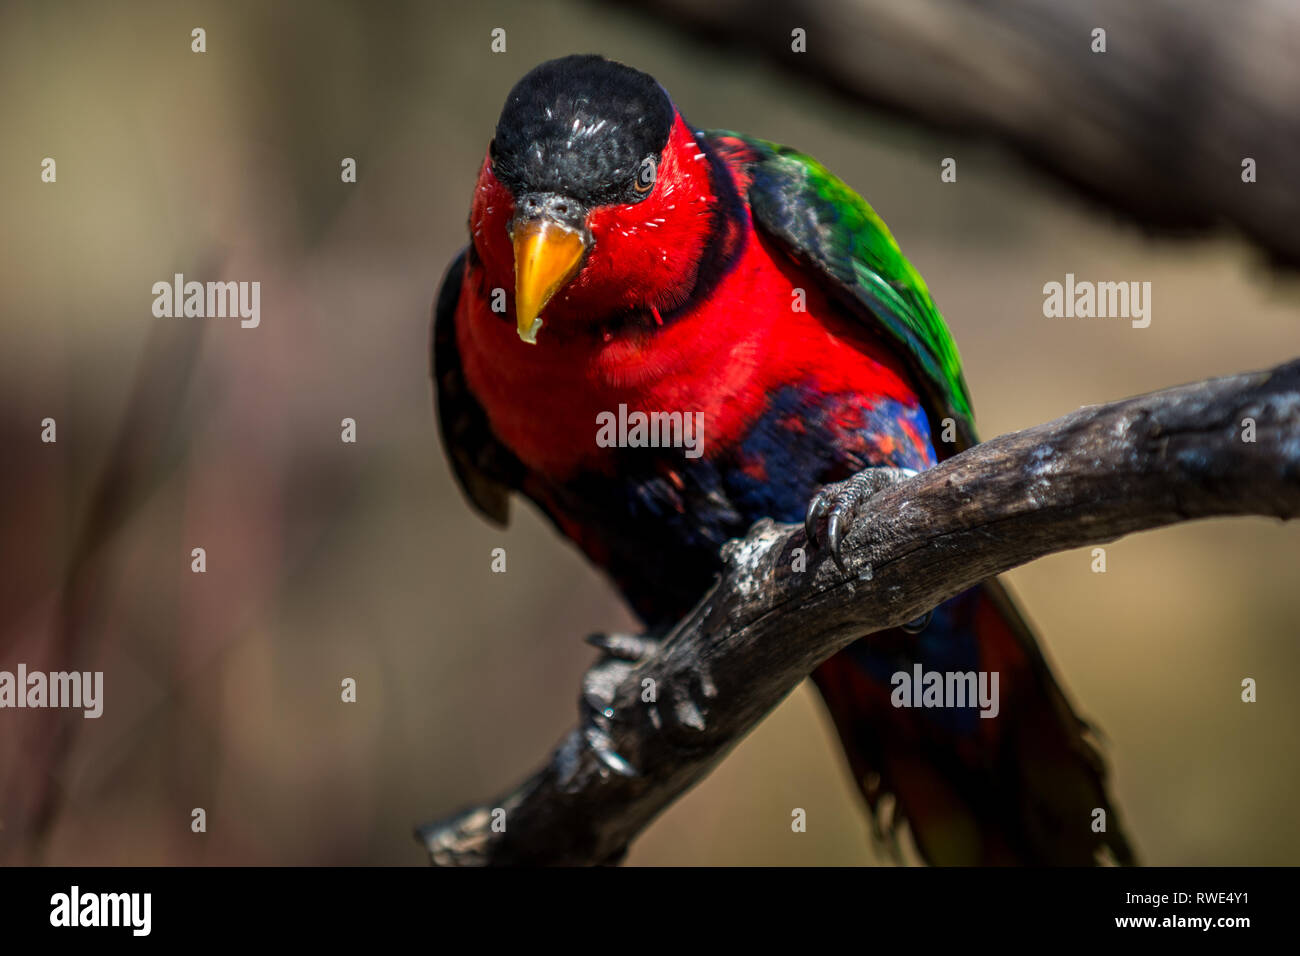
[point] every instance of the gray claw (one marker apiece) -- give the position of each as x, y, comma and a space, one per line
816, 511
843, 500
597, 715
919, 624
844, 511
833, 536
603, 747
599, 685
624, 647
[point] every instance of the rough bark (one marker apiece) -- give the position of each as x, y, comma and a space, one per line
1090, 477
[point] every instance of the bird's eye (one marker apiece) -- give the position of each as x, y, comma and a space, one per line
645, 175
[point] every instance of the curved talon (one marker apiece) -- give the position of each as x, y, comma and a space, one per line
843, 500
817, 508
600, 745
918, 624
834, 535
836, 529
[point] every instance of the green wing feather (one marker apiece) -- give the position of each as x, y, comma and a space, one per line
820, 220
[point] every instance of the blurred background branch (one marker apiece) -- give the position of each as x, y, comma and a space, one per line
146, 451
1090, 477
1155, 128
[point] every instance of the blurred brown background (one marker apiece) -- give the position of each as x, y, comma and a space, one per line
329, 560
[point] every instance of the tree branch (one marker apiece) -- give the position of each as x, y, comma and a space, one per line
1092, 476
1156, 127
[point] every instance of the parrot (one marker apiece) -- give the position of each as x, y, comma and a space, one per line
622, 261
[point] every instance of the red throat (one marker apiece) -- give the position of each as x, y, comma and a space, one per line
643, 256
722, 354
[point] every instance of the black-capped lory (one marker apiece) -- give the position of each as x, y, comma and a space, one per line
623, 264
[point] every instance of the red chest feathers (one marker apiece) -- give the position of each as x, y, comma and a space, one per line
723, 358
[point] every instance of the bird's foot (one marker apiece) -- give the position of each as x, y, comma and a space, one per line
622, 652
679, 710
632, 648
841, 504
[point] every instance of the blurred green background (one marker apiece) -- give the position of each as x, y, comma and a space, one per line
328, 560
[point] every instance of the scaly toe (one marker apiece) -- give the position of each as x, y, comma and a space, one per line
840, 504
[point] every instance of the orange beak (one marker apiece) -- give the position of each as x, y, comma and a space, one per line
547, 254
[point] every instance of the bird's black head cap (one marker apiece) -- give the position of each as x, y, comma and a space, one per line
581, 126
